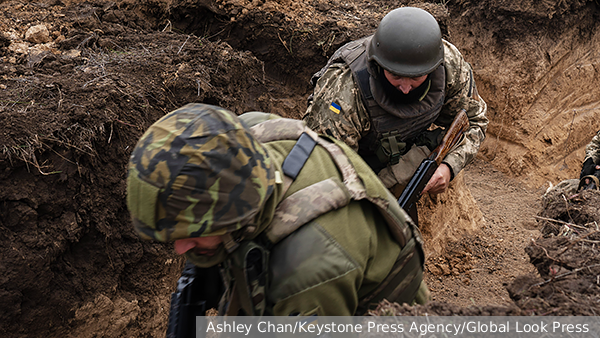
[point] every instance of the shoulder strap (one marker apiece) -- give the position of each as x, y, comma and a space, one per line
249, 271
299, 209
362, 77
340, 55
356, 59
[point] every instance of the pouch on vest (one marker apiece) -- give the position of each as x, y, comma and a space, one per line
248, 265
390, 148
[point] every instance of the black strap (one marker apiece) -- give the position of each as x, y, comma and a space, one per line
296, 159
470, 83
363, 82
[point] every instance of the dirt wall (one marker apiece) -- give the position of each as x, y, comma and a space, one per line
537, 66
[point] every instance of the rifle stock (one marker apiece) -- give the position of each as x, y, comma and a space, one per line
411, 194
451, 138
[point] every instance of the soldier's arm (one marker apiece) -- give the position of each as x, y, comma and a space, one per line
592, 150
337, 109
461, 92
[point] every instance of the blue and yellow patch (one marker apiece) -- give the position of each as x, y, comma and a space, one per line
334, 107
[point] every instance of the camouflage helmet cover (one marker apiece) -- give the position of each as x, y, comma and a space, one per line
408, 42
197, 172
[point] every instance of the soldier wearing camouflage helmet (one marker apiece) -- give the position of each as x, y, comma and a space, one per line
297, 222
380, 95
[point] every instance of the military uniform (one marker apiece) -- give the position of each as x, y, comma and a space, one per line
592, 150
336, 238
592, 158
338, 108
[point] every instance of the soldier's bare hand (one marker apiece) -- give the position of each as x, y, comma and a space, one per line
439, 181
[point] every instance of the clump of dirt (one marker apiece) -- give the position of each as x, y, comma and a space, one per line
567, 263
566, 258
448, 217
434, 308
562, 214
456, 259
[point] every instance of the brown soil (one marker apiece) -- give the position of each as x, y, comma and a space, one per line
74, 100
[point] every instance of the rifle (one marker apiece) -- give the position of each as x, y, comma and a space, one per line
198, 289
411, 194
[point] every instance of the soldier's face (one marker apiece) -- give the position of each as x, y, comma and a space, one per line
403, 83
199, 245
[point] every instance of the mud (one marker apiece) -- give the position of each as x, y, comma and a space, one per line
74, 100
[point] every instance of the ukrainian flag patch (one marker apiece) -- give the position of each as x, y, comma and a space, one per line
334, 107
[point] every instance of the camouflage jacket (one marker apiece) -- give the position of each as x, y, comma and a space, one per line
593, 149
340, 258
351, 122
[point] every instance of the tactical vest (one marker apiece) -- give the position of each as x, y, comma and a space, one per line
397, 124
406, 275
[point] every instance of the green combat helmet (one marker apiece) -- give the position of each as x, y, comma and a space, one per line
408, 42
197, 172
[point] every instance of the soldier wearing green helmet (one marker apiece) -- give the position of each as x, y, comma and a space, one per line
382, 93
296, 222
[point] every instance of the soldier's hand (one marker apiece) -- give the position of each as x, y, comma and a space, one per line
439, 181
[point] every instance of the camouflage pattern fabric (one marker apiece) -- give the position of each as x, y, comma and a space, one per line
241, 273
341, 249
351, 121
197, 172
396, 177
593, 149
